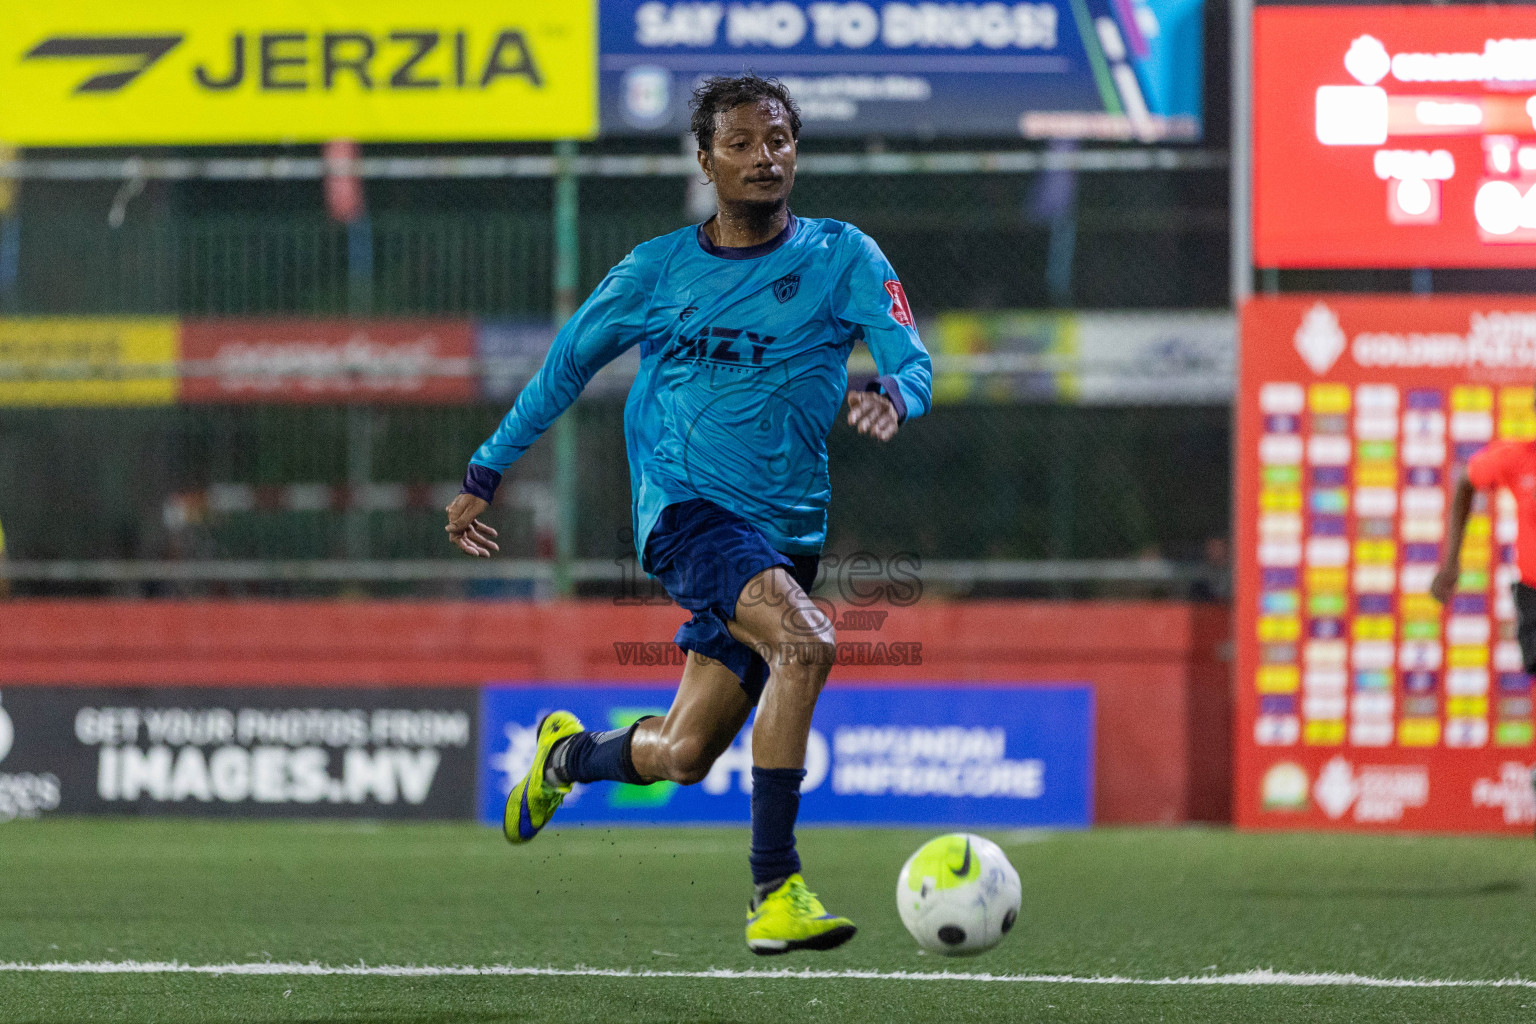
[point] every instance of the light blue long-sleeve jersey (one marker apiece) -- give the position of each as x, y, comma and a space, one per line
743, 366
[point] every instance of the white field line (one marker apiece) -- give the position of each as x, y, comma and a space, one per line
266, 968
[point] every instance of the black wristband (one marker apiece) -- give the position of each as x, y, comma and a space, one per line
886, 386
481, 481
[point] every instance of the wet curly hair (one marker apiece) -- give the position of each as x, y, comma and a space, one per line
725, 92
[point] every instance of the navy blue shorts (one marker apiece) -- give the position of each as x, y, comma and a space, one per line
704, 556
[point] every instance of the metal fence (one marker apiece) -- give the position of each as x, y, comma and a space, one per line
991, 499
1097, 229
1022, 499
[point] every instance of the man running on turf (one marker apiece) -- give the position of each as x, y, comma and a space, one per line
744, 324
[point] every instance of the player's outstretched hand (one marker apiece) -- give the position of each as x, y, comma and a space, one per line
466, 531
1444, 583
872, 414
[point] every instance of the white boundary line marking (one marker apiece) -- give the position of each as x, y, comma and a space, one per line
266, 968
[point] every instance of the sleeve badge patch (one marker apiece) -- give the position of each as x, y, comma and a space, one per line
900, 311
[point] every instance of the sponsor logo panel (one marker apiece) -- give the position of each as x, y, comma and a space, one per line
23, 794
87, 361
945, 756
94, 72
1444, 789
1509, 791
914, 69
260, 752
1285, 787
328, 360
1093, 358
901, 312
1370, 793
1357, 416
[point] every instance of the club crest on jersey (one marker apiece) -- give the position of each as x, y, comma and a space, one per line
900, 311
785, 287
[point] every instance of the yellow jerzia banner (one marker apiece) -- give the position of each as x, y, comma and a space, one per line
110, 72
88, 360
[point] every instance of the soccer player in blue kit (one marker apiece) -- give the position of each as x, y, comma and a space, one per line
744, 324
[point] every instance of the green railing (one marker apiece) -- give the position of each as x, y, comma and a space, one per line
1151, 239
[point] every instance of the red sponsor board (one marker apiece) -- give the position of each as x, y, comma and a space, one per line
1159, 669
327, 361
1428, 791
1394, 136
1361, 701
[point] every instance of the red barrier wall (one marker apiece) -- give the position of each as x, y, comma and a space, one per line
1159, 670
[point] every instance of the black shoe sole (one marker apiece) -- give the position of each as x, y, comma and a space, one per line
827, 940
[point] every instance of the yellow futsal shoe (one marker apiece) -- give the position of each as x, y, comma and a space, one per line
533, 801
791, 918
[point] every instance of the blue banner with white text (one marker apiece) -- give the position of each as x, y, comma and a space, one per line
1001, 756
1072, 69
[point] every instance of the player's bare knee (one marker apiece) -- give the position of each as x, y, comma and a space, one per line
818, 653
689, 759
804, 662
821, 656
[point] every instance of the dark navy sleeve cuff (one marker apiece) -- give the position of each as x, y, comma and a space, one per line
481, 481
886, 385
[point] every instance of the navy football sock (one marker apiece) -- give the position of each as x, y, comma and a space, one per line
595, 756
775, 805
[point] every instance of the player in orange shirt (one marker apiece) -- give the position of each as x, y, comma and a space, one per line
1510, 464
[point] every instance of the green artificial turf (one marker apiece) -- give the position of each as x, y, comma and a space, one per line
1136, 903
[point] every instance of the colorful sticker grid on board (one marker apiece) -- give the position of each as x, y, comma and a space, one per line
1353, 650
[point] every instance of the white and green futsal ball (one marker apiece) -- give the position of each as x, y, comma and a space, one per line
958, 895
